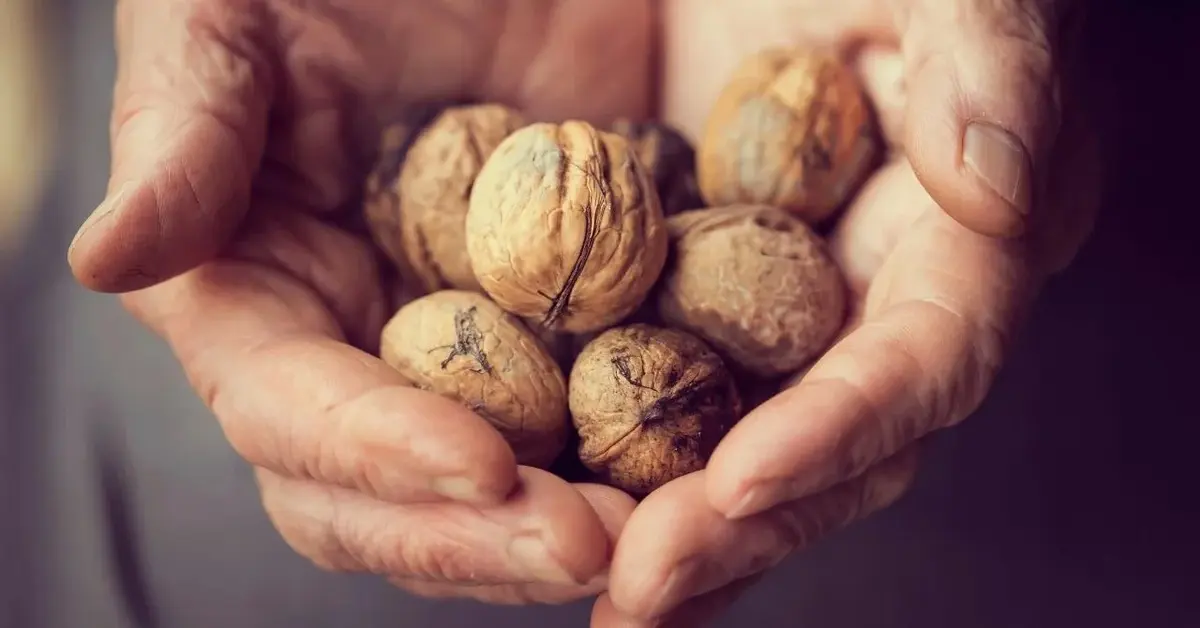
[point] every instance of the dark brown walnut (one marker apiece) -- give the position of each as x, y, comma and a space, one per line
419, 218
670, 159
461, 345
565, 227
650, 405
792, 128
756, 283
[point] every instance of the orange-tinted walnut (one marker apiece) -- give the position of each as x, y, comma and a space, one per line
793, 128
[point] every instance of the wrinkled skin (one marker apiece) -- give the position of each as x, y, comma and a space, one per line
241, 129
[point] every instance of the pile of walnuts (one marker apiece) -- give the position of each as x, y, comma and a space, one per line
612, 296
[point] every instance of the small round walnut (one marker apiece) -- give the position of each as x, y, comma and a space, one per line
565, 227
461, 345
670, 159
650, 405
792, 128
418, 218
756, 283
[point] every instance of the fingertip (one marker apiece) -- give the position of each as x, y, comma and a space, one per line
733, 479
650, 568
976, 171
571, 530
94, 253
606, 615
613, 506
467, 459
983, 110
726, 487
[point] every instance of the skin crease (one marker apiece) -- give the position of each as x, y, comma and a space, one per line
240, 126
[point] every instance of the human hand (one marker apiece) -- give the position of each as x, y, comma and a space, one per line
944, 249
241, 130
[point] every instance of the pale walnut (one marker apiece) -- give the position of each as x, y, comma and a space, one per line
670, 159
461, 345
793, 128
756, 283
418, 217
565, 227
650, 405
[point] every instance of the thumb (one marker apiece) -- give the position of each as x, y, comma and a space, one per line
983, 110
189, 122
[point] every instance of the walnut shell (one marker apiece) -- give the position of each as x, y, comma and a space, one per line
419, 219
793, 128
461, 345
650, 405
565, 227
670, 159
756, 283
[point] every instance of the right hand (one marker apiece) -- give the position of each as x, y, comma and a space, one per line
240, 132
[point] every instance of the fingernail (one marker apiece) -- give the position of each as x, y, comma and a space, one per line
998, 157
457, 489
102, 211
531, 555
683, 583
755, 500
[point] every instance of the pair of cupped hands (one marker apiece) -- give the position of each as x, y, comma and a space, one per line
241, 131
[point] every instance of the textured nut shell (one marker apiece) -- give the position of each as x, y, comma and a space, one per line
756, 283
462, 346
381, 207
650, 404
792, 129
669, 158
565, 227
426, 208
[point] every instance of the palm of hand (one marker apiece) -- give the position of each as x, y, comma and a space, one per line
272, 325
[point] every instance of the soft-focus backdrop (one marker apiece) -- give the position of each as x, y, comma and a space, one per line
1069, 500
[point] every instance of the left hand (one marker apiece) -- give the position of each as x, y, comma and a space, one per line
944, 249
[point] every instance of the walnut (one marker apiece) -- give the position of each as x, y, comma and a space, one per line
650, 405
461, 345
565, 227
670, 159
793, 128
756, 283
418, 217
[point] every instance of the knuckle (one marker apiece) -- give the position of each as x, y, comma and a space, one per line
872, 436
313, 538
437, 561
889, 482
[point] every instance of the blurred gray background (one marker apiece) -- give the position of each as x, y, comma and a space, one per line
1069, 500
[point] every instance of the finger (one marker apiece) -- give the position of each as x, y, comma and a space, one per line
983, 108
882, 71
189, 122
888, 204
676, 546
613, 507
937, 319
693, 613
270, 361
547, 532
502, 594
